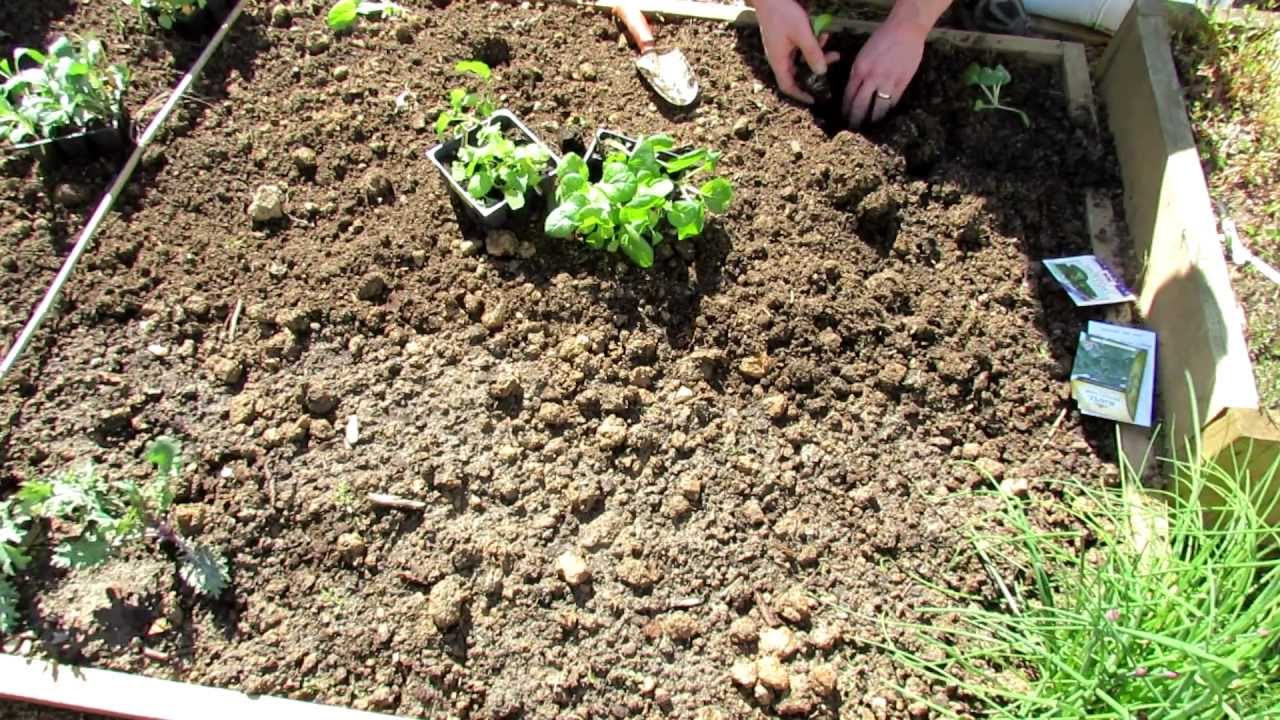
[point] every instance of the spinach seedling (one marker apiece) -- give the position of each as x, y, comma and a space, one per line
91, 519
639, 198
489, 164
814, 83
68, 88
344, 13
990, 80
167, 12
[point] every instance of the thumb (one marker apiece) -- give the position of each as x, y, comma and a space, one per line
814, 57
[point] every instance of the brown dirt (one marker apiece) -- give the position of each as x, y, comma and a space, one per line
887, 285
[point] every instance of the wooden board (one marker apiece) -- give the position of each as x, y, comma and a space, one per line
1184, 292
122, 695
1245, 442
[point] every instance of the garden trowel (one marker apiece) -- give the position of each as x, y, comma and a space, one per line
668, 72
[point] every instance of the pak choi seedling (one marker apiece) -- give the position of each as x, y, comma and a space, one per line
990, 80
93, 518
344, 13
638, 198
488, 163
69, 88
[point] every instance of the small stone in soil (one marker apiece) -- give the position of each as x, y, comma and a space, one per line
376, 187
742, 128
372, 287
304, 161
501, 243
267, 204
351, 547
1017, 487
636, 573
72, 195
754, 368
743, 672
226, 370
320, 401
573, 568
446, 602
824, 681
504, 387
317, 42
795, 606
553, 414
772, 674
242, 409
612, 432
280, 16
824, 637
753, 513
775, 406
763, 695
744, 631
990, 466
680, 626
778, 641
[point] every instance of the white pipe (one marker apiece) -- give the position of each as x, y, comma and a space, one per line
136, 697
109, 200
1097, 14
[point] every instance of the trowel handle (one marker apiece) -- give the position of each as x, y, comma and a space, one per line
637, 26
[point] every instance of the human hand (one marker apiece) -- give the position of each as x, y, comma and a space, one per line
784, 28
881, 72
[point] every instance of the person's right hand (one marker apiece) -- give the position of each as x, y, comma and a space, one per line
784, 28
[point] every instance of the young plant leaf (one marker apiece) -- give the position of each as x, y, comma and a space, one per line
717, 193
687, 217
202, 569
8, 606
473, 67
85, 551
562, 221
342, 15
635, 248
821, 23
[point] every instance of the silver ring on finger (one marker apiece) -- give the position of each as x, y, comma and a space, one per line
883, 95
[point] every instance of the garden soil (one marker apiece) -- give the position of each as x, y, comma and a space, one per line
774, 430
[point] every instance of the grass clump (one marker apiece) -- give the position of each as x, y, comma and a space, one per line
1119, 615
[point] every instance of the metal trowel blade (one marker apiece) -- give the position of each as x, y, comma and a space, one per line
669, 75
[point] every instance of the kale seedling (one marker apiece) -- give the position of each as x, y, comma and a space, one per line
488, 163
167, 12
94, 519
990, 80
69, 88
639, 197
344, 13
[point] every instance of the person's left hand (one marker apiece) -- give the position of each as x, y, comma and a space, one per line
881, 72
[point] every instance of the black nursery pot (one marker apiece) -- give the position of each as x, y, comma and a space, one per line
499, 213
82, 147
200, 24
602, 143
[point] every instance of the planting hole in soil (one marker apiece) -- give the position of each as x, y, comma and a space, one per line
788, 410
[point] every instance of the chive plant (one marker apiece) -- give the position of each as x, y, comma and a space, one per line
1120, 617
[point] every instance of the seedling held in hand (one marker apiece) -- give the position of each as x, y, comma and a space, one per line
638, 196
817, 84
488, 164
990, 80
68, 89
344, 13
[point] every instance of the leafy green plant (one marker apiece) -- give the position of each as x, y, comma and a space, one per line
345, 13
167, 12
990, 80
94, 519
1147, 605
489, 164
68, 88
641, 195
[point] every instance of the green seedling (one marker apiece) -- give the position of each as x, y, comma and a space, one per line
821, 23
990, 80
167, 12
639, 197
66, 88
488, 164
90, 519
345, 13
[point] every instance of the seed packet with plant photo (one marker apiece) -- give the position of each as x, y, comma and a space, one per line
1088, 281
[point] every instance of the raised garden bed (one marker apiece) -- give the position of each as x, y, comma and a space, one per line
781, 411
